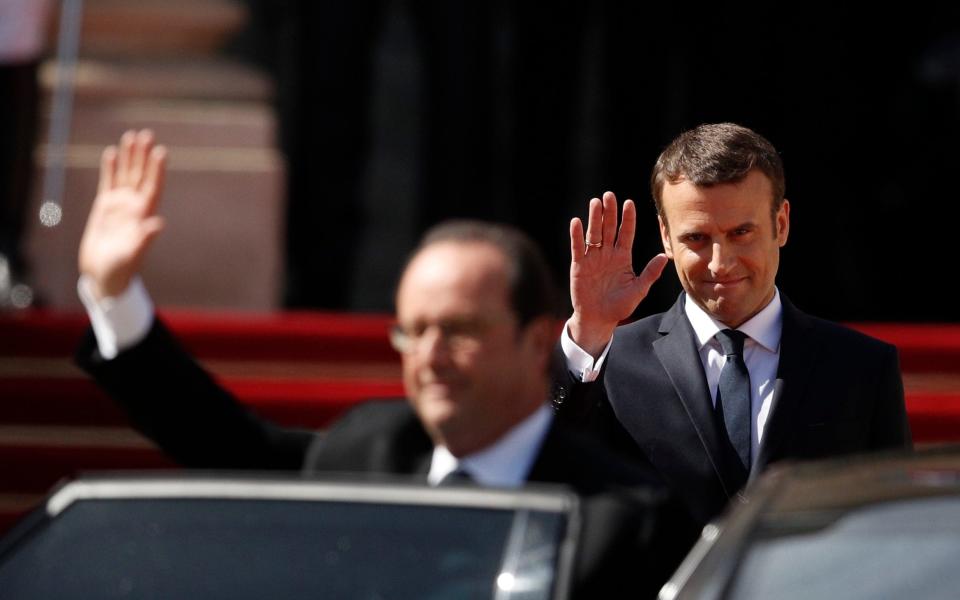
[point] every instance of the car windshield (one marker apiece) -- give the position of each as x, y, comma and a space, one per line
234, 549
905, 549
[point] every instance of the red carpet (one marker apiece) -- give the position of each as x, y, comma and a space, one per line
301, 369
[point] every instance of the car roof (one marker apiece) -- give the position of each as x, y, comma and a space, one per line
801, 495
853, 482
142, 524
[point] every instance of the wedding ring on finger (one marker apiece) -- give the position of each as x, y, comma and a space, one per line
593, 244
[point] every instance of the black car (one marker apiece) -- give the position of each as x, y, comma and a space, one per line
239, 537
864, 528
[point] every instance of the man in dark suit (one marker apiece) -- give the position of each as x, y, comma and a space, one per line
733, 377
476, 335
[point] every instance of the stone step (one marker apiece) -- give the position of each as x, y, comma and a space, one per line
204, 77
158, 27
187, 123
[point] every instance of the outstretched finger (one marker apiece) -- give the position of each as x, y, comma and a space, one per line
595, 223
609, 218
650, 274
142, 145
108, 166
577, 247
153, 177
124, 158
628, 226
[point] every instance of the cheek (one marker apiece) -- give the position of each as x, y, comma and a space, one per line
760, 261
690, 265
409, 370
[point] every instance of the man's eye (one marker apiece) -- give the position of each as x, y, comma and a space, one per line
461, 328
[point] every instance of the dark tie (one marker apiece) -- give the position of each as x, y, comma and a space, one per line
733, 396
458, 476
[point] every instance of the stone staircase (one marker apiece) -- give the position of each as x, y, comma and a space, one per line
155, 63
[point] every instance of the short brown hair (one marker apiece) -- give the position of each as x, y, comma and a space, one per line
717, 153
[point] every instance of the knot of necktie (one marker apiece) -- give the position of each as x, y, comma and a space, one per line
731, 341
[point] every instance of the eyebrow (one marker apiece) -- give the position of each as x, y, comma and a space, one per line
686, 235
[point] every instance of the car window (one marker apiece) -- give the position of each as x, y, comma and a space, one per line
895, 550
235, 549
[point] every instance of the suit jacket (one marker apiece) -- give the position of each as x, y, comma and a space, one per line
629, 544
838, 392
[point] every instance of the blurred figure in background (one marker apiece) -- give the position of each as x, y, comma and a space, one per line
22, 43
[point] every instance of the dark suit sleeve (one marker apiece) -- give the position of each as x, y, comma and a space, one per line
585, 406
891, 429
573, 400
173, 401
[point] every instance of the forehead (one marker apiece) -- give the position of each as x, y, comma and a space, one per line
724, 204
453, 278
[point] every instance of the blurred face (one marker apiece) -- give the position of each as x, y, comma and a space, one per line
724, 245
469, 371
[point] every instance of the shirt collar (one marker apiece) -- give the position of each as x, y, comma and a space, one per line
764, 328
506, 462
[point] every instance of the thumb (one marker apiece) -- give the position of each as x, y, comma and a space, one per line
650, 274
150, 228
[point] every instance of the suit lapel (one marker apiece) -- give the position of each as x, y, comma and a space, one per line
674, 351
798, 346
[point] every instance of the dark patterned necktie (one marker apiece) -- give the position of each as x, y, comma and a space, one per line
733, 396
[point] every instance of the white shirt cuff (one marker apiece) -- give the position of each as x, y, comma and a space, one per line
579, 361
119, 322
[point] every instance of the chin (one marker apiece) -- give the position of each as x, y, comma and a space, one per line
436, 409
718, 313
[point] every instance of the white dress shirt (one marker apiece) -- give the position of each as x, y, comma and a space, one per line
761, 353
118, 322
121, 322
506, 463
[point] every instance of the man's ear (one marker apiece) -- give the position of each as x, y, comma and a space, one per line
665, 237
783, 223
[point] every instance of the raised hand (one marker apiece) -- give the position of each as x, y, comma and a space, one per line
604, 289
123, 220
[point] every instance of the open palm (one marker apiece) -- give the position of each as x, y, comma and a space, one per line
123, 219
604, 289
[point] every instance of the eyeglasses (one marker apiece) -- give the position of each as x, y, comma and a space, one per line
460, 336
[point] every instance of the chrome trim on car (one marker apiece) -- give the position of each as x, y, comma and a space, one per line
693, 559
265, 489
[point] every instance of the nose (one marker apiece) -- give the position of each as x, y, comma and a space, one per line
432, 346
720, 258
